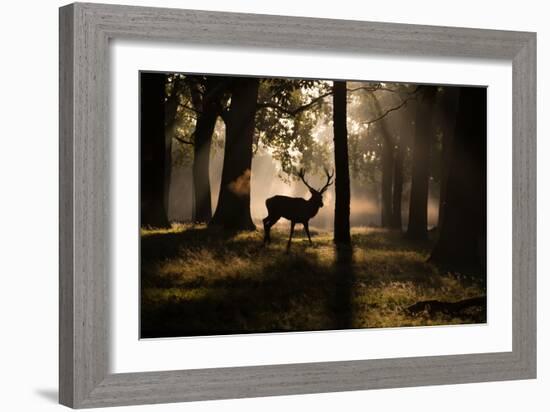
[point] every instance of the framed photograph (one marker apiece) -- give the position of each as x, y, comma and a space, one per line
257, 205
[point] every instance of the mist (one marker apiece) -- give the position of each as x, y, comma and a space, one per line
267, 180
362, 155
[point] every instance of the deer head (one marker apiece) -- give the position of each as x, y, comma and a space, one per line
316, 195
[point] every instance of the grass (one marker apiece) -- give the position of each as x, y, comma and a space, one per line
200, 281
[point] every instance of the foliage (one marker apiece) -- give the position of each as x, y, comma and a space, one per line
288, 112
185, 120
377, 111
294, 126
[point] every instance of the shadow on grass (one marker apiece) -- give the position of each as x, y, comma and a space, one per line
201, 281
237, 285
290, 292
391, 240
156, 246
341, 299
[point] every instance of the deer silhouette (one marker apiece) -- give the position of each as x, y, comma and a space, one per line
295, 209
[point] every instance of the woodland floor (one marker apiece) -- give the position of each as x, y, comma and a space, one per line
199, 281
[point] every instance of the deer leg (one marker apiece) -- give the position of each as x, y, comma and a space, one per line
306, 228
291, 233
267, 227
268, 223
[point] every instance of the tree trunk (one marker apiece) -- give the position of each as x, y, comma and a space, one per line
424, 134
387, 160
396, 220
233, 210
404, 141
462, 238
154, 167
448, 123
170, 122
201, 166
341, 165
206, 123
387, 163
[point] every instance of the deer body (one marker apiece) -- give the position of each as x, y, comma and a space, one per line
292, 208
295, 209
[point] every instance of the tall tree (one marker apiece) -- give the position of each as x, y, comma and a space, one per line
387, 163
233, 209
206, 93
387, 160
462, 237
424, 136
341, 165
391, 125
154, 164
403, 141
397, 195
173, 89
447, 123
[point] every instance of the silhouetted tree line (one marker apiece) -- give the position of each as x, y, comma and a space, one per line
246, 105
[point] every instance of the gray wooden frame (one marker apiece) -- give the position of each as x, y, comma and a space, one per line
85, 30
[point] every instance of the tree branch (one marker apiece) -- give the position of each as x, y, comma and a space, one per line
366, 88
381, 116
184, 141
191, 109
374, 89
293, 112
224, 114
382, 89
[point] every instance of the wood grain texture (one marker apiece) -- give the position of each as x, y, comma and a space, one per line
85, 31
524, 204
66, 229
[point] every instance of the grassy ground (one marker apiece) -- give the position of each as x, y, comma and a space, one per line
198, 281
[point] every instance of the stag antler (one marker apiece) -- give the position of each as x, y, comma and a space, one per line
302, 175
329, 176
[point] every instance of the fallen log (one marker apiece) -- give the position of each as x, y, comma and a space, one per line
448, 308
